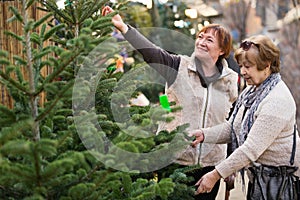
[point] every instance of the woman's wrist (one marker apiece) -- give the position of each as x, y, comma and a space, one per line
123, 28
217, 174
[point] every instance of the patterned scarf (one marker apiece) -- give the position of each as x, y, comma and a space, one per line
251, 100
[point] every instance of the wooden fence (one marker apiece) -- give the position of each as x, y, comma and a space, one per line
11, 45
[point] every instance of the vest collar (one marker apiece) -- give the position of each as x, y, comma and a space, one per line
224, 65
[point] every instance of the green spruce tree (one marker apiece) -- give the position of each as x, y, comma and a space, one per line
71, 146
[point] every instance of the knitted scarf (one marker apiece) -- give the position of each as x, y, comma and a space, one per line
251, 100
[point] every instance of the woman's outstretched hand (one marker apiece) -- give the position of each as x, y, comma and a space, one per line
207, 182
116, 19
199, 137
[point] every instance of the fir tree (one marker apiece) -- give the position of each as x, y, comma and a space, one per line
42, 156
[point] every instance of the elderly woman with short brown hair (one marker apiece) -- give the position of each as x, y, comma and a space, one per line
262, 126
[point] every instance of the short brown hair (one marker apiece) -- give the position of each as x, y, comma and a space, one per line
223, 36
268, 53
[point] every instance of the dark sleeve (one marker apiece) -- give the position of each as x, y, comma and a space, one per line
165, 63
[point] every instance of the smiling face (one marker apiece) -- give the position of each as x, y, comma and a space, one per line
207, 46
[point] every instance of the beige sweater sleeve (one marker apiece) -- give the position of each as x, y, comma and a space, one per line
219, 134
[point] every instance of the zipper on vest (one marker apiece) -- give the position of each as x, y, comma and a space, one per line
205, 107
203, 120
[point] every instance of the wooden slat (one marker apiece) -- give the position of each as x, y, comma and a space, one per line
14, 47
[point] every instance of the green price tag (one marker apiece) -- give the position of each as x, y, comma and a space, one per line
163, 99
111, 68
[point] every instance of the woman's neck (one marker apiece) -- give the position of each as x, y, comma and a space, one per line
208, 68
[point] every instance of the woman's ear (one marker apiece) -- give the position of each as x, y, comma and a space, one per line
267, 68
221, 53
268, 65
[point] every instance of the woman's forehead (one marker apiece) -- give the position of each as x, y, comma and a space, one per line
209, 33
246, 57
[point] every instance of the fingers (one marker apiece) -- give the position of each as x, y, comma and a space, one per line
194, 143
196, 133
106, 10
199, 137
199, 182
201, 188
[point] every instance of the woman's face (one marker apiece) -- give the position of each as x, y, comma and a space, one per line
249, 70
207, 46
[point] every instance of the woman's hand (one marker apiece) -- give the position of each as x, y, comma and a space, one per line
116, 20
230, 181
199, 135
207, 182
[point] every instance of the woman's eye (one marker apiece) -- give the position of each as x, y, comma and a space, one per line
245, 66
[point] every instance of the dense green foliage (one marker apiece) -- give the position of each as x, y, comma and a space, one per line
42, 156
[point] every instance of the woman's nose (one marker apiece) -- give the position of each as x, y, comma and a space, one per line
242, 71
201, 42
